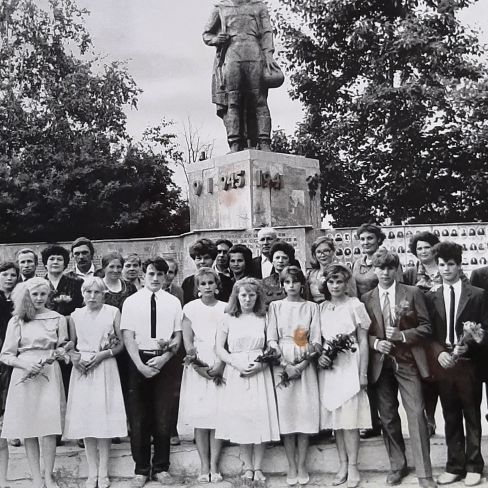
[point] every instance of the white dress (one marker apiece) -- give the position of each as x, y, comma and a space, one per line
95, 403
198, 396
295, 326
35, 407
343, 404
246, 412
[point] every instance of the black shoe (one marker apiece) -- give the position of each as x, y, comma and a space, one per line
369, 433
395, 477
116, 440
15, 442
81, 443
59, 442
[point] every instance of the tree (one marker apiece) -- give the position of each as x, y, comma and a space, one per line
67, 164
396, 99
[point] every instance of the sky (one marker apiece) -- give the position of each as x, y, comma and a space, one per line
162, 44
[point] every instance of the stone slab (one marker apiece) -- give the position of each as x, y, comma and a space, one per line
322, 460
252, 189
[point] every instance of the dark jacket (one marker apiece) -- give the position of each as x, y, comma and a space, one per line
67, 297
472, 307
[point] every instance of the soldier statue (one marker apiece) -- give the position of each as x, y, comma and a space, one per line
244, 70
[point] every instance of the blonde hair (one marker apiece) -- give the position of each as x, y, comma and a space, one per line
23, 306
94, 282
234, 307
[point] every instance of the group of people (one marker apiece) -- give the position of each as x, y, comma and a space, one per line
248, 350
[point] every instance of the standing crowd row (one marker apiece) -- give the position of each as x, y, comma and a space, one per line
249, 350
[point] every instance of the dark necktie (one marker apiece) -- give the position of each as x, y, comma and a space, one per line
452, 318
153, 316
386, 311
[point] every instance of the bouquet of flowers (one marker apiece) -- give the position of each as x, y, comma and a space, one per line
62, 299
58, 354
202, 368
339, 344
286, 376
401, 311
270, 357
167, 346
109, 341
472, 332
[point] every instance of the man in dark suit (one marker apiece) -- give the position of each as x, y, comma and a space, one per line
479, 277
399, 329
451, 305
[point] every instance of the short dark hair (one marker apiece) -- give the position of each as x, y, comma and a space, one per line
422, 236
246, 252
282, 246
158, 262
320, 240
173, 260
6, 265
83, 241
202, 247
383, 258
110, 256
293, 272
447, 250
27, 250
55, 250
374, 229
223, 241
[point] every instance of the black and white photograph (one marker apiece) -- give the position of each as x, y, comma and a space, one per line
244, 243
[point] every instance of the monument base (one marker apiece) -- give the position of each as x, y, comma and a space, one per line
251, 189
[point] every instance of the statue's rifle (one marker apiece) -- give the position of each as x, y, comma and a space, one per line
221, 51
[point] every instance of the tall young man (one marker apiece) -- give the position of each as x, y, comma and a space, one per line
452, 304
399, 329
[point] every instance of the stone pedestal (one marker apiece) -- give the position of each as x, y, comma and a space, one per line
252, 189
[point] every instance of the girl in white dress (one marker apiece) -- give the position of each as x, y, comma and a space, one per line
344, 404
294, 330
246, 411
198, 396
35, 406
95, 410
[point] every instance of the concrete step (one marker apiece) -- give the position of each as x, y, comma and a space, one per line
322, 462
369, 479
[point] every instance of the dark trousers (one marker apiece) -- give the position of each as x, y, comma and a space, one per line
373, 408
176, 387
430, 390
405, 378
150, 404
460, 394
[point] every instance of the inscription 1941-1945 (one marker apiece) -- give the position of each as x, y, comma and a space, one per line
230, 181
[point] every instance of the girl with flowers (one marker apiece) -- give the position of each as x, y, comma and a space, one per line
95, 406
198, 397
35, 404
246, 412
294, 330
344, 403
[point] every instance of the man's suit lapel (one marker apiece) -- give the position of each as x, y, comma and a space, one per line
400, 294
463, 301
438, 299
376, 307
